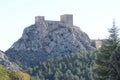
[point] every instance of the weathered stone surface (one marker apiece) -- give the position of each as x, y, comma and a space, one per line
6, 63
46, 40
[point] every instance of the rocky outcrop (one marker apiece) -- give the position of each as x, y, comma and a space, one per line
46, 40
6, 63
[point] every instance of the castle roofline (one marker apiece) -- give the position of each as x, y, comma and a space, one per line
65, 18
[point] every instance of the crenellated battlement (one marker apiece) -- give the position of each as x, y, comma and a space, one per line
66, 19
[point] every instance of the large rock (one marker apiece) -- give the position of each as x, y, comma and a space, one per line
46, 40
6, 63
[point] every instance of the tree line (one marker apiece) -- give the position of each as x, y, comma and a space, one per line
70, 67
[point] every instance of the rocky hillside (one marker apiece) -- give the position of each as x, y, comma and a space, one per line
48, 39
6, 63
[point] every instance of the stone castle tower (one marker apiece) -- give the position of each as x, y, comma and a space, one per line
66, 19
39, 19
97, 43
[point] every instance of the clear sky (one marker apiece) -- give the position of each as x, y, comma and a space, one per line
93, 16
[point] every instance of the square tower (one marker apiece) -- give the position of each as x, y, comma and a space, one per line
39, 19
98, 43
67, 19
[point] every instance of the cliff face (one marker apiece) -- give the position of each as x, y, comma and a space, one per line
46, 40
6, 63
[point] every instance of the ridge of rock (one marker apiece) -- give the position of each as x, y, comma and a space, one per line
6, 63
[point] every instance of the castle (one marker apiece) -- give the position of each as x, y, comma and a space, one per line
66, 19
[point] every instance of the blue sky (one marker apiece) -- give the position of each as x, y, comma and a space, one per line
93, 16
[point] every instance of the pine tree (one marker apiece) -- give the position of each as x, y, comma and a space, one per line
116, 64
105, 56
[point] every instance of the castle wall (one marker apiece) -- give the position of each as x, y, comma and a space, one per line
65, 20
52, 25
